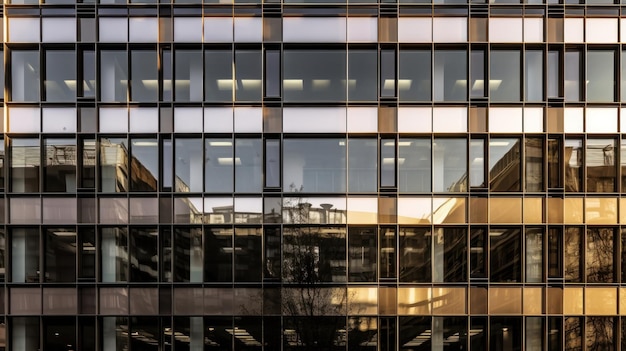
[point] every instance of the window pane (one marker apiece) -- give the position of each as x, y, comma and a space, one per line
248, 71
144, 165
414, 167
450, 75
188, 167
362, 165
144, 79
60, 81
599, 333
362, 254
314, 75
387, 163
600, 162
599, 252
113, 75
218, 80
572, 69
534, 164
534, 255
314, 165
362, 67
188, 75
534, 75
144, 255
24, 75
188, 255
600, 76
477, 73
504, 81
218, 168
554, 74
477, 163
449, 162
574, 165
113, 165
60, 265
248, 165
88, 74
248, 255
60, 170
506, 254
25, 165
478, 253
272, 163
504, 164
415, 260
313, 255
414, 75
25, 255
114, 254
450, 255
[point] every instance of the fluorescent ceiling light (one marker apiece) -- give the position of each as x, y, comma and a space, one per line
461, 83
479, 84
145, 143
404, 84
251, 83
71, 83
389, 84
150, 83
228, 161
293, 84
321, 83
225, 84
494, 84
499, 143
220, 143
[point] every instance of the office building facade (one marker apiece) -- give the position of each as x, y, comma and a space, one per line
313, 175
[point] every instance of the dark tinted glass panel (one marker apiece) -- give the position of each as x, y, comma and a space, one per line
362, 254
188, 75
478, 251
60, 264
387, 252
248, 254
60, 83
113, 75
113, 164
415, 332
600, 162
362, 165
450, 250
573, 331
555, 252
555, 167
504, 164
144, 259
144, 75
506, 333
505, 254
450, 160
25, 165
87, 254
599, 255
415, 261
25, 255
533, 159
599, 333
534, 255
533, 75
414, 77
450, 75
415, 171
59, 332
24, 75
25, 333
144, 333
187, 254
573, 255
362, 80
248, 71
113, 255
218, 79
218, 263
314, 255
314, 165
504, 79
314, 75
600, 76
60, 170
218, 167
272, 254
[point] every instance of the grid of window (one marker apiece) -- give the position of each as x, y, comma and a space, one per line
294, 176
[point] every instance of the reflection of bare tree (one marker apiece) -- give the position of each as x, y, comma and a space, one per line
599, 334
600, 255
313, 311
